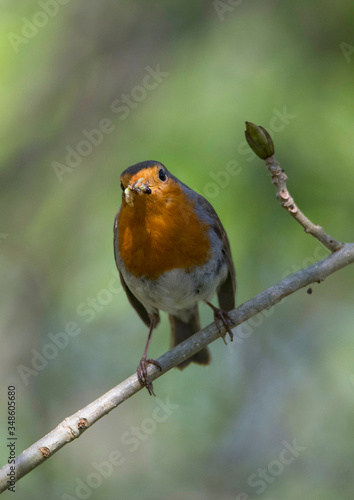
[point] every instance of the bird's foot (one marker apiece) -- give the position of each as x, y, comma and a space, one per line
142, 373
224, 317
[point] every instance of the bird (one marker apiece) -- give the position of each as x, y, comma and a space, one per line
172, 252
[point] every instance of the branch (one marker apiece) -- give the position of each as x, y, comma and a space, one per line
73, 427
279, 179
262, 145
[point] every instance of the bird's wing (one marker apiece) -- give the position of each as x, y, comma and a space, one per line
138, 306
227, 289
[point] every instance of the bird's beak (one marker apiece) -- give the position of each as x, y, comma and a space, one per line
138, 187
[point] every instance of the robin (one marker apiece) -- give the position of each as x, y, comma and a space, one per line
172, 252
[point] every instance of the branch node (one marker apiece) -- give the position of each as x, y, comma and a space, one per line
45, 451
82, 423
74, 434
284, 194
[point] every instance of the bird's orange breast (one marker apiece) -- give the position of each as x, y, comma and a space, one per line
162, 232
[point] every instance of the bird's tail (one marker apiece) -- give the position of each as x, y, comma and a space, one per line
181, 330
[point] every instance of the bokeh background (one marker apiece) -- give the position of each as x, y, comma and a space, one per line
67, 67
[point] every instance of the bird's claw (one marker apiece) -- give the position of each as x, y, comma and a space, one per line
224, 317
142, 373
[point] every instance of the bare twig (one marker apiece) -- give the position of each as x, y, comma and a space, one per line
72, 427
279, 179
343, 255
262, 145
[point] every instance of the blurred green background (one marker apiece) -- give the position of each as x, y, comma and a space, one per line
72, 66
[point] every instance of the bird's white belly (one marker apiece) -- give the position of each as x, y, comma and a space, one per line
177, 290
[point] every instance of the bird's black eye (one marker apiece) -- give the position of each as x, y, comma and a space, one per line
162, 175
121, 186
